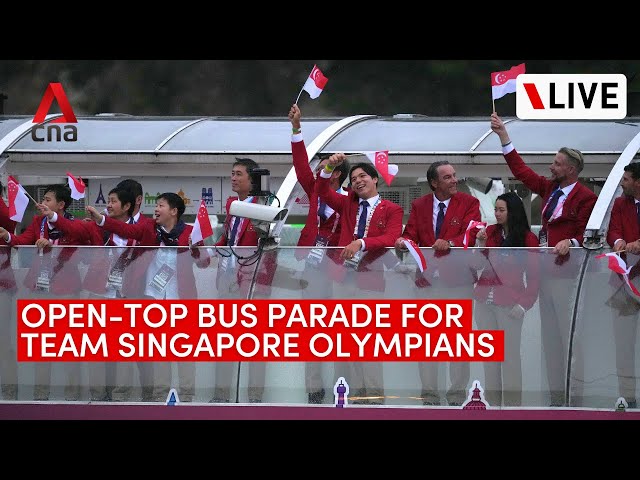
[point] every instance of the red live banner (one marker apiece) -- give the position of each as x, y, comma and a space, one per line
120, 330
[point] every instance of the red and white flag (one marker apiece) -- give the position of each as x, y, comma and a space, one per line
618, 265
315, 83
381, 161
202, 226
77, 187
415, 252
467, 234
505, 82
18, 199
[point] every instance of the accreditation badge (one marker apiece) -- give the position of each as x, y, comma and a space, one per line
316, 255
42, 283
354, 262
162, 278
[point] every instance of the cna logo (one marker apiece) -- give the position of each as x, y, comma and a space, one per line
53, 132
571, 96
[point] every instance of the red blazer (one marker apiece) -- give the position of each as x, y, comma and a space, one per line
454, 270
308, 180
462, 209
7, 278
575, 210
504, 271
623, 222
99, 264
144, 232
247, 236
385, 226
65, 276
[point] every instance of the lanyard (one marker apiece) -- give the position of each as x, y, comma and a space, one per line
559, 205
42, 224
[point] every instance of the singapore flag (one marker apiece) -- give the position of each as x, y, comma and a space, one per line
77, 187
381, 161
505, 82
202, 226
315, 83
18, 199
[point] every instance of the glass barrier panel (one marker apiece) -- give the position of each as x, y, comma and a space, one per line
528, 293
605, 366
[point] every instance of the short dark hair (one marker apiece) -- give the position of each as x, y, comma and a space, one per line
125, 195
61, 192
247, 163
634, 169
432, 172
132, 185
174, 200
344, 169
368, 168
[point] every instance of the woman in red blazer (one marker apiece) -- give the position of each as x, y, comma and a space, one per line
507, 288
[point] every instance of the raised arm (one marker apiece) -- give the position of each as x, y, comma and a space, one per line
324, 191
299, 152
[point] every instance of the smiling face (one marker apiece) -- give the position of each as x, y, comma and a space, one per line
363, 184
240, 181
446, 185
164, 214
115, 209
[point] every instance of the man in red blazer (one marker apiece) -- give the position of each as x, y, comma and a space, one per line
234, 277
169, 276
8, 288
623, 235
53, 274
567, 207
439, 220
107, 277
322, 229
368, 225
326, 222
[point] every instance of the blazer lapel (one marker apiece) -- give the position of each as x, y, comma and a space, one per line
429, 219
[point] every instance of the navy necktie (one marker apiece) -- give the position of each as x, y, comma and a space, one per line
551, 206
234, 231
440, 219
321, 211
362, 223
638, 213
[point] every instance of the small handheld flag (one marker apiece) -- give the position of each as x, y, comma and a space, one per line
315, 84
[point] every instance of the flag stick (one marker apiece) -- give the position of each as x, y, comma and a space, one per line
34, 200
493, 102
355, 155
301, 90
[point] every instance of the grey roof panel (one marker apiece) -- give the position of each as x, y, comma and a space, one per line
8, 124
241, 135
108, 134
